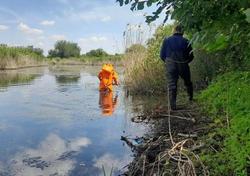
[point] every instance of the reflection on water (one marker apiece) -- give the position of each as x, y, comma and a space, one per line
13, 78
53, 124
67, 79
107, 102
53, 156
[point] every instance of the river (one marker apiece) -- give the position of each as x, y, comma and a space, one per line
53, 121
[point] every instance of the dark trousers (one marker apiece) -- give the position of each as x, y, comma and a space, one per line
174, 71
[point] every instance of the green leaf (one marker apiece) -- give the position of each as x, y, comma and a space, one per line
247, 13
120, 1
140, 5
149, 3
127, 1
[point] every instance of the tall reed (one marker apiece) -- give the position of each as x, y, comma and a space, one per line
144, 70
15, 57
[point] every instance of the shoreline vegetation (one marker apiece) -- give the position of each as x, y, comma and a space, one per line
12, 58
87, 60
20, 57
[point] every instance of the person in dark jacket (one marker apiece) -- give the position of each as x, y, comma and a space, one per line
177, 53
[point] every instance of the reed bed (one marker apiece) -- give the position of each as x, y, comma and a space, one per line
144, 70
19, 57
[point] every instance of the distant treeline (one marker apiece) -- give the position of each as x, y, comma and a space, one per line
64, 52
66, 49
68, 53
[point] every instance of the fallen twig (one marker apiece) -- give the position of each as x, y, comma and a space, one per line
179, 117
187, 135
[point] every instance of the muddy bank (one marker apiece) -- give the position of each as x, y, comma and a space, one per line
173, 145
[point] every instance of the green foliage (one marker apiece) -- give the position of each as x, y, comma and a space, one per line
15, 52
213, 25
38, 51
65, 49
247, 13
97, 53
207, 66
229, 96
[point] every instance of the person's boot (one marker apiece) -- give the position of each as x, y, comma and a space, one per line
190, 93
172, 99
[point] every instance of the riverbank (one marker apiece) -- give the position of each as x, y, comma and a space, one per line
173, 147
207, 137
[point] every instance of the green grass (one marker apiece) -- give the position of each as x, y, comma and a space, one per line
228, 98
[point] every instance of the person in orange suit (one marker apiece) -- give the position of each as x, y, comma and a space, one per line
108, 77
107, 102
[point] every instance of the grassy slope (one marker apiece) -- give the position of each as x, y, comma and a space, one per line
228, 98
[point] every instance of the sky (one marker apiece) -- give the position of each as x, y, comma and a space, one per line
90, 23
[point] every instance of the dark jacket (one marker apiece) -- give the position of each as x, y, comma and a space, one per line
177, 49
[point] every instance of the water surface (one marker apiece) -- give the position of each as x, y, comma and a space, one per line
53, 121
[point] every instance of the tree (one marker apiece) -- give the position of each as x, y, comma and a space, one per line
38, 51
97, 53
212, 25
65, 49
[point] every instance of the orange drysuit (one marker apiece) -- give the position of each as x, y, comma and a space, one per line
107, 103
108, 77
